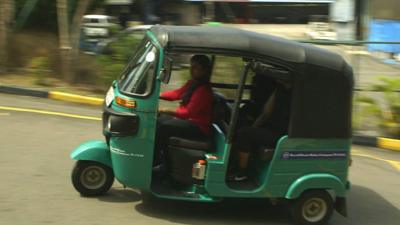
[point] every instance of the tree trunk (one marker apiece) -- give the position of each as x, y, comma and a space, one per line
75, 34
3, 38
64, 40
6, 18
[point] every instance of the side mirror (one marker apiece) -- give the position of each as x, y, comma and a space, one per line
166, 70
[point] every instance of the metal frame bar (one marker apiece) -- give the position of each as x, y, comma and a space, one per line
235, 114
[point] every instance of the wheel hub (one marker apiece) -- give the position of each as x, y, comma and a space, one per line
314, 209
93, 177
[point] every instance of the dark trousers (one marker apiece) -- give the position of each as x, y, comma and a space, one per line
170, 126
251, 138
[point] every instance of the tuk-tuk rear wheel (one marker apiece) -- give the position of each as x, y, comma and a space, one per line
313, 207
92, 178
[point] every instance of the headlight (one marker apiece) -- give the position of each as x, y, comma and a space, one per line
109, 96
109, 123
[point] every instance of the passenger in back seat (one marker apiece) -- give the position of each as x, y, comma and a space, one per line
262, 88
271, 125
193, 118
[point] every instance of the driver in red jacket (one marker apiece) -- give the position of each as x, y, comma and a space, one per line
193, 118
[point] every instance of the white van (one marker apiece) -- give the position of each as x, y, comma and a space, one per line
98, 25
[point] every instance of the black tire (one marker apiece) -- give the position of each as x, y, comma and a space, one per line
313, 207
92, 178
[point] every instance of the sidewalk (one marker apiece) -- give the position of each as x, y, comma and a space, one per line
62, 96
380, 142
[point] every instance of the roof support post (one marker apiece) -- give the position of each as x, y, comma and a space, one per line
236, 104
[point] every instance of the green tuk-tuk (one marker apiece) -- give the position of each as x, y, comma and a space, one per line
308, 168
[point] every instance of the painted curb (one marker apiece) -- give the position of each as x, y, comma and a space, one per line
384, 143
388, 143
365, 140
379, 142
75, 98
51, 94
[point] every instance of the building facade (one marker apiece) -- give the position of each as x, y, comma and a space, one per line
380, 21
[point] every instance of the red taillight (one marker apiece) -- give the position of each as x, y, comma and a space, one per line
202, 162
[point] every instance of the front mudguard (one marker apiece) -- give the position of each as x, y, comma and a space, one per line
93, 151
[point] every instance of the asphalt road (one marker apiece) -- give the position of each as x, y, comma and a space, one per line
35, 185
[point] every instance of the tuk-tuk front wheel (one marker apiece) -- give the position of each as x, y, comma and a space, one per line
92, 178
313, 207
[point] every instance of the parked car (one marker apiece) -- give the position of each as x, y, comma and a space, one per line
98, 25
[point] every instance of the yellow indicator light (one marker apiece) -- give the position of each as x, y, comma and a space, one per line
126, 103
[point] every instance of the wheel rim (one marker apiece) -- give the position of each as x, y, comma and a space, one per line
93, 177
314, 209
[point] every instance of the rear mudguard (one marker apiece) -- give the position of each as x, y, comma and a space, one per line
93, 151
316, 181
320, 181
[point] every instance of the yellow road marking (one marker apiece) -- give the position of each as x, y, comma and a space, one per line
49, 113
395, 164
4, 114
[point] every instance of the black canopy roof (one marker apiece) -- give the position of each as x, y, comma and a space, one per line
247, 42
322, 95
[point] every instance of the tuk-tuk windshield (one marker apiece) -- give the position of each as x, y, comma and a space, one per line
138, 76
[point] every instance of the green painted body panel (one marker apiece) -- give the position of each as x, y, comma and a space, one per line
278, 175
93, 151
132, 156
146, 104
282, 173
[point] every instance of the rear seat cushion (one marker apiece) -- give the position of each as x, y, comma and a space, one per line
195, 144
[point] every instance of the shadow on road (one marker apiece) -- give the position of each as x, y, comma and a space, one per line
230, 211
364, 206
121, 195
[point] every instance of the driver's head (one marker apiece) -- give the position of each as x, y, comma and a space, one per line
200, 67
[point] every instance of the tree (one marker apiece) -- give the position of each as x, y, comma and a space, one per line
385, 110
69, 35
64, 39
7, 10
